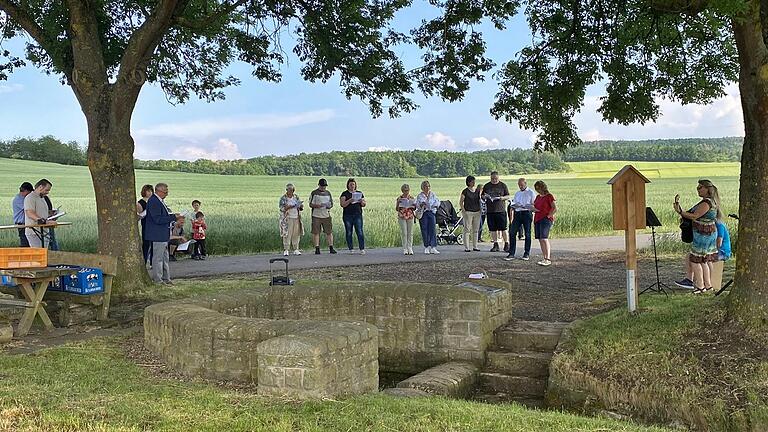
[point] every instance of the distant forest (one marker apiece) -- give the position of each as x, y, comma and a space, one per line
726, 149
406, 163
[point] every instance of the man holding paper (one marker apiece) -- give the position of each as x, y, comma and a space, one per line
496, 194
321, 202
520, 215
36, 213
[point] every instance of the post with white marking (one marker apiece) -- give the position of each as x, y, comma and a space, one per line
628, 204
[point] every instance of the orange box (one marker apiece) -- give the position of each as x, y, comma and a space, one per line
16, 258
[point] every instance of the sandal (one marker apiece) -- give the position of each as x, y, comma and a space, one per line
699, 291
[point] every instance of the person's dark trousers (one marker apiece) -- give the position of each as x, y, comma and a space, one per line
480, 230
520, 232
53, 244
428, 232
146, 250
23, 242
521, 222
356, 222
198, 248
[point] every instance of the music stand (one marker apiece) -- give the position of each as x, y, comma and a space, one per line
653, 221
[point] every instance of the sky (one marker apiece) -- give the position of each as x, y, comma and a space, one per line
294, 116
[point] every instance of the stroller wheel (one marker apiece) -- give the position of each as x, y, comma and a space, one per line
459, 239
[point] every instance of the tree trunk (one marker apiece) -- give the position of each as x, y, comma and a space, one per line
748, 302
110, 161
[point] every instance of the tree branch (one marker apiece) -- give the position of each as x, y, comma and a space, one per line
27, 22
144, 41
88, 54
203, 23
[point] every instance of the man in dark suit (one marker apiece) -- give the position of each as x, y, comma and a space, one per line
158, 231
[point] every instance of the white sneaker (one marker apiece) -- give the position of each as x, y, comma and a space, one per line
435, 251
410, 251
427, 251
362, 252
297, 252
405, 251
286, 253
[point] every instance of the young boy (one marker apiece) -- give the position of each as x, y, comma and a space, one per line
198, 233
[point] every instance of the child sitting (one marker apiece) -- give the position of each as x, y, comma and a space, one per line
198, 233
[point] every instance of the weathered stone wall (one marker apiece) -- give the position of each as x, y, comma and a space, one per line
329, 329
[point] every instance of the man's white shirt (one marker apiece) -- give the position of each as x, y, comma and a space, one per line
524, 199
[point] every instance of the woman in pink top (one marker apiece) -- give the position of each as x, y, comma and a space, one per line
404, 204
543, 219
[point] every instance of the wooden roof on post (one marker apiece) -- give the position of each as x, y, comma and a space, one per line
627, 170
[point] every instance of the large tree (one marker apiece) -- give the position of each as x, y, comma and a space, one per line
644, 50
106, 50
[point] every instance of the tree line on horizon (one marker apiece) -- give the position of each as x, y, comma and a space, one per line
413, 163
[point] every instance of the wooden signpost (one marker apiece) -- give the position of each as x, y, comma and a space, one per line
628, 203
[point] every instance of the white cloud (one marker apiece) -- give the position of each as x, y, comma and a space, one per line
200, 129
224, 149
10, 88
722, 117
484, 143
383, 149
440, 141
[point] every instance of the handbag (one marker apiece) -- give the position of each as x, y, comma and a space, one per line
419, 212
686, 230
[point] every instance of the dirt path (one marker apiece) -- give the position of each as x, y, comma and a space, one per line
186, 268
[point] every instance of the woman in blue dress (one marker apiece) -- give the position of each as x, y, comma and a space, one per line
704, 246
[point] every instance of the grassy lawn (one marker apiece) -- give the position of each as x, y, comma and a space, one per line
679, 359
92, 386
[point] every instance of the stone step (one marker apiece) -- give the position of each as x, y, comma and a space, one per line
493, 382
499, 398
530, 364
529, 336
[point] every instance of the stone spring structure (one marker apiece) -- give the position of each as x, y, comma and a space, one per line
327, 339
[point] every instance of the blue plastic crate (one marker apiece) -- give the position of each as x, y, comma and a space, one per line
7, 281
86, 281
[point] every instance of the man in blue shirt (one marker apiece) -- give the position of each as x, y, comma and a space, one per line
18, 211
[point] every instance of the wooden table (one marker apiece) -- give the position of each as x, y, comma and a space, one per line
33, 284
39, 229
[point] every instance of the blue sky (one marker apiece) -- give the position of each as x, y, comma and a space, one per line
294, 116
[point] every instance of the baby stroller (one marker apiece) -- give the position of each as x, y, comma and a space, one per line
448, 223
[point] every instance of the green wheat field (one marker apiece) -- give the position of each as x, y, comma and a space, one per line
241, 211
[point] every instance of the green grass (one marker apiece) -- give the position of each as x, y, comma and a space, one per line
92, 386
241, 211
680, 351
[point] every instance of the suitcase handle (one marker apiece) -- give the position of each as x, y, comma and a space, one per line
274, 260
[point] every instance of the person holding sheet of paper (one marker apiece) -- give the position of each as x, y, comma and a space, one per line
404, 205
496, 194
353, 201
469, 202
428, 203
321, 202
520, 215
291, 228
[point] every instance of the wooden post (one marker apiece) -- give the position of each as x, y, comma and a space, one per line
630, 242
628, 204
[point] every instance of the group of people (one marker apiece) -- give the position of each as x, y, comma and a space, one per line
32, 208
522, 210
711, 241
163, 231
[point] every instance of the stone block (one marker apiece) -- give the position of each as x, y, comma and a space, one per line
454, 379
532, 364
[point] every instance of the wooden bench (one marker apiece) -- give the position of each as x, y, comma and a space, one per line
108, 266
